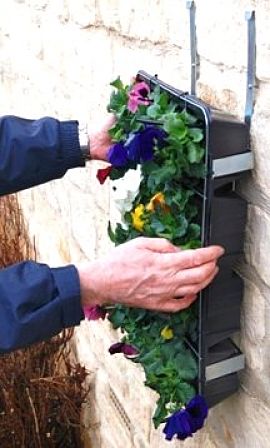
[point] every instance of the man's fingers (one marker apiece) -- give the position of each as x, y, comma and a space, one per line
196, 287
160, 245
195, 275
192, 258
175, 305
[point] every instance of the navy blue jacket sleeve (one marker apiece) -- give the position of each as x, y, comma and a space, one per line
35, 151
36, 302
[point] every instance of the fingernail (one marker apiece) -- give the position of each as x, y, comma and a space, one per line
221, 250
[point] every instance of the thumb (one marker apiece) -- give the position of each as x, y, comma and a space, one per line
160, 245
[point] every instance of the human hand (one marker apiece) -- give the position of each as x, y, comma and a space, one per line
100, 140
149, 273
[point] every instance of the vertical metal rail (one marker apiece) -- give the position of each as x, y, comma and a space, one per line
251, 65
193, 46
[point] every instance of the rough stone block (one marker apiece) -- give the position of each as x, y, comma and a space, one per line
155, 21
84, 13
221, 32
229, 426
258, 242
226, 90
170, 64
262, 40
253, 314
260, 144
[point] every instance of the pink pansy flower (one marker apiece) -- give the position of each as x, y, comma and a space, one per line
138, 95
94, 312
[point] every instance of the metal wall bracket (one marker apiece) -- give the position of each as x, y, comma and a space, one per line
251, 65
193, 46
225, 367
233, 164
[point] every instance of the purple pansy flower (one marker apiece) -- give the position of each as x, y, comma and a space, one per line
138, 95
185, 422
140, 148
122, 347
117, 155
94, 312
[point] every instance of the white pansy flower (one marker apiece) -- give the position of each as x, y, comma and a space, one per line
123, 192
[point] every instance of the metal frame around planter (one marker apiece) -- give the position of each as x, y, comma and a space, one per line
223, 217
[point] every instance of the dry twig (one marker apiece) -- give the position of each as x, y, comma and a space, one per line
41, 390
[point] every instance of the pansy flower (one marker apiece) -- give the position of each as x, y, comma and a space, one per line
158, 200
103, 173
137, 218
186, 421
167, 333
122, 347
138, 95
197, 409
94, 312
141, 146
117, 155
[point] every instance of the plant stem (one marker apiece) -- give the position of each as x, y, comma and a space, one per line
146, 121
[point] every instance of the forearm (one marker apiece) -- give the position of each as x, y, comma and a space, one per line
33, 152
36, 303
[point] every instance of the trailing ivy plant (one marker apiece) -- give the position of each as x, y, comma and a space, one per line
167, 142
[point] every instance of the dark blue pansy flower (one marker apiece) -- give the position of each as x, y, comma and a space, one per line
185, 422
198, 410
117, 155
178, 424
141, 145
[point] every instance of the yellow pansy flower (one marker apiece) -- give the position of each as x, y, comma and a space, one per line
137, 218
157, 199
167, 333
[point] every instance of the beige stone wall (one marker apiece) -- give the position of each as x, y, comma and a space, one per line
57, 58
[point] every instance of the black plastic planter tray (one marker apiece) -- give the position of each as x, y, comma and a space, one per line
223, 218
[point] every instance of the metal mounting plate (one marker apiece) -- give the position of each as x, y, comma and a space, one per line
232, 164
225, 367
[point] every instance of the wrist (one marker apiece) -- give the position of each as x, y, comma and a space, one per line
99, 146
89, 285
84, 141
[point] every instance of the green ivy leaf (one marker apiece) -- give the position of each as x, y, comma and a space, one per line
156, 225
160, 413
118, 84
111, 233
117, 173
184, 392
174, 126
117, 318
153, 111
188, 118
195, 152
161, 175
186, 366
196, 134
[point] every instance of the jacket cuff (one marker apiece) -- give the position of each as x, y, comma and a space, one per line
69, 139
68, 285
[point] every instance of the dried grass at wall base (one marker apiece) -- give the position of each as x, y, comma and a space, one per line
41, 390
